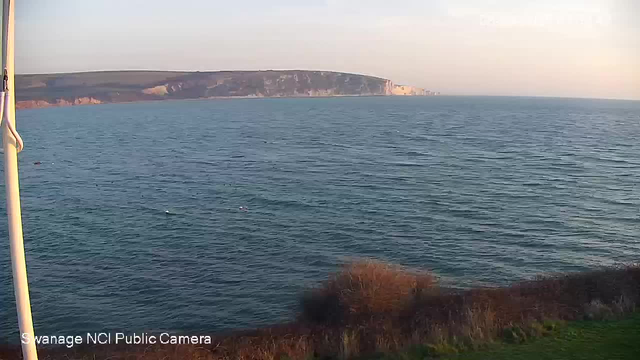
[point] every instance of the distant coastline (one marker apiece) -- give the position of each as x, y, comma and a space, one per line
88, 88
25, 105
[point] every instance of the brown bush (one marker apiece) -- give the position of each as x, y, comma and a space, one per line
364, 289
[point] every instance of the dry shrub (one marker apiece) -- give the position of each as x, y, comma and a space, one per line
624, 304
285, 342
596, 310
364, 289
568, 294
114, 352
350, 344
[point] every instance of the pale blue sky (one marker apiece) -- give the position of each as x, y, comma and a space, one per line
583, 48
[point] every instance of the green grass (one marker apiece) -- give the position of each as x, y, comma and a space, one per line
583, 340
579, 340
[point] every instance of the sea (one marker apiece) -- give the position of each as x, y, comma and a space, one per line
215, 215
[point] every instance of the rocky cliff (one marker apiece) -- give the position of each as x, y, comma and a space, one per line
126, 86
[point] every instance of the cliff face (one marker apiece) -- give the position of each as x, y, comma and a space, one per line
405, 90
125, 86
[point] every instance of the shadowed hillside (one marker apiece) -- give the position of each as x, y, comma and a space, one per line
126, 86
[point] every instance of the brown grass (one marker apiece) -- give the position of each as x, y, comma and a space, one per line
370, 307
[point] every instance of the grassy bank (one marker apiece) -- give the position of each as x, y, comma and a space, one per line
579, 340
590, 340
375, 310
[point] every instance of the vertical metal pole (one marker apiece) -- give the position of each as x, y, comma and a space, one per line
19, 267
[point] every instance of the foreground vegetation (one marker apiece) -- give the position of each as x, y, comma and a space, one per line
595, 340
581, 340
372, 310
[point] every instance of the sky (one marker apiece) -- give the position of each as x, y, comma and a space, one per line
566, 48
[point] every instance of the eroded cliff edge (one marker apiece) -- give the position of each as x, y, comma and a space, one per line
36, 91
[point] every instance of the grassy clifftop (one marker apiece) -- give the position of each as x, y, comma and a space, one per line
125, 86
581, 340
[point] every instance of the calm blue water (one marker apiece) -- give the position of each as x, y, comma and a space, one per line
481, 190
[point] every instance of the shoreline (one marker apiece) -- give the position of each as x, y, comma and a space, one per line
18, 107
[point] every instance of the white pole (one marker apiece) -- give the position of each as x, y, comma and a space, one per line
19, 267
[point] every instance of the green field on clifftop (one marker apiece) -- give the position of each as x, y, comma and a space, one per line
583, 340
